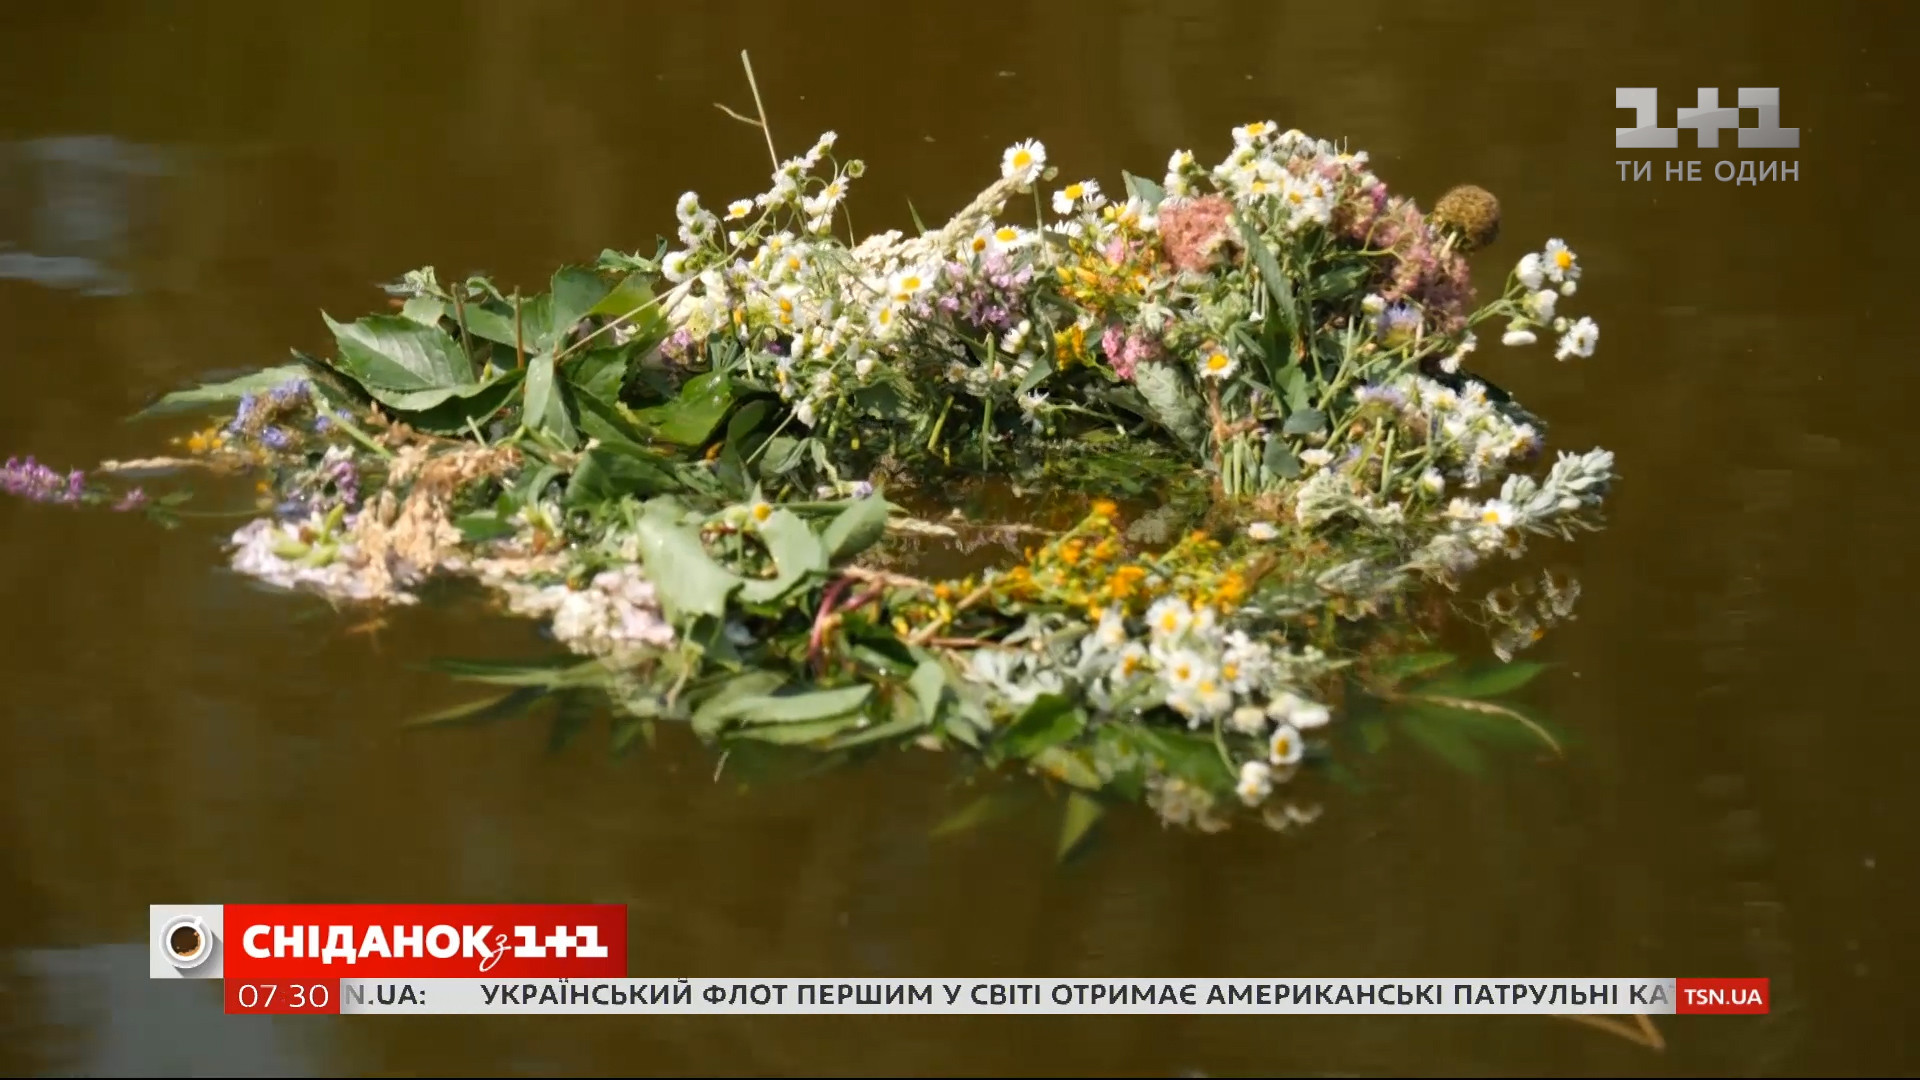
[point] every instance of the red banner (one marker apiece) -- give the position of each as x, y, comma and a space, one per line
1720, 995
309, 942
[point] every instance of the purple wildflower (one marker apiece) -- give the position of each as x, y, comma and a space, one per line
288, 394
33, 481
134, 499
322, 425
276, 438
1398, 323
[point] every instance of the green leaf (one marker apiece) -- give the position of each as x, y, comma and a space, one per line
1280, 460
425, 310
783, 453
400, 362
1393, 669
607, 422
929, 686
855, 529
712, 715
576, 710
577, 291
1189, 756
1488, 682
1298, 389
761, 709
483, 526
687, 578
892, 729
1067, 767
627, 732
989, 806
550, 673
545, 408
633, 300
470, 408
1303, 422
256, 382
799, 734
1175, 404
609, 471
796, 553
1145, 190
689, 419
1277, 283
599, 372
1446, 739
1081, 816
1052, 719
494, 326
512, 703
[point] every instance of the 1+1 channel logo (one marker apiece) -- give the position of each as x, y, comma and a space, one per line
1708, 118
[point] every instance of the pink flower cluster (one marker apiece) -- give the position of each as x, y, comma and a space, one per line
1127, 348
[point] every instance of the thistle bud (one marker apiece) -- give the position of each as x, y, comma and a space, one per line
1471, 214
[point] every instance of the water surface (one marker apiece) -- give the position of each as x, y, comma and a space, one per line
182, 193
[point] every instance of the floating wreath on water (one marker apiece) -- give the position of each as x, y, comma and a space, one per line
697, 466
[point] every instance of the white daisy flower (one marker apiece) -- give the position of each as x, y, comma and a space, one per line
804, 412
739, 208
1559, 261
1023, 161
687, 206
1133, 660
1184, 670
1217, 364
1518, 337
1540, 305
1284, 746
1531, 272
908, 283
1249, 134
1316, 458
1373, 303
674, 266
1496, 513
1579, 340
1084, 193
1432, 482
1011, 237
1169, 618
1262, 531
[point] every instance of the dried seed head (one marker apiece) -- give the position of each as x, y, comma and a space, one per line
1470, 213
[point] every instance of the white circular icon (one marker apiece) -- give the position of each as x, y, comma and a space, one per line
187, 941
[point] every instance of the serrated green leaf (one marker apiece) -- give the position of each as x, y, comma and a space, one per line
855, 529
1082, 814
401, 362
633, 300
599, 372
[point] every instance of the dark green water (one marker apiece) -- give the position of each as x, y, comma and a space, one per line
181, 193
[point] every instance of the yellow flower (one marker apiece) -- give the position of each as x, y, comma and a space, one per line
762, 511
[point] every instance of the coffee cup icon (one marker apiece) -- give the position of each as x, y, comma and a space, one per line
186, 941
